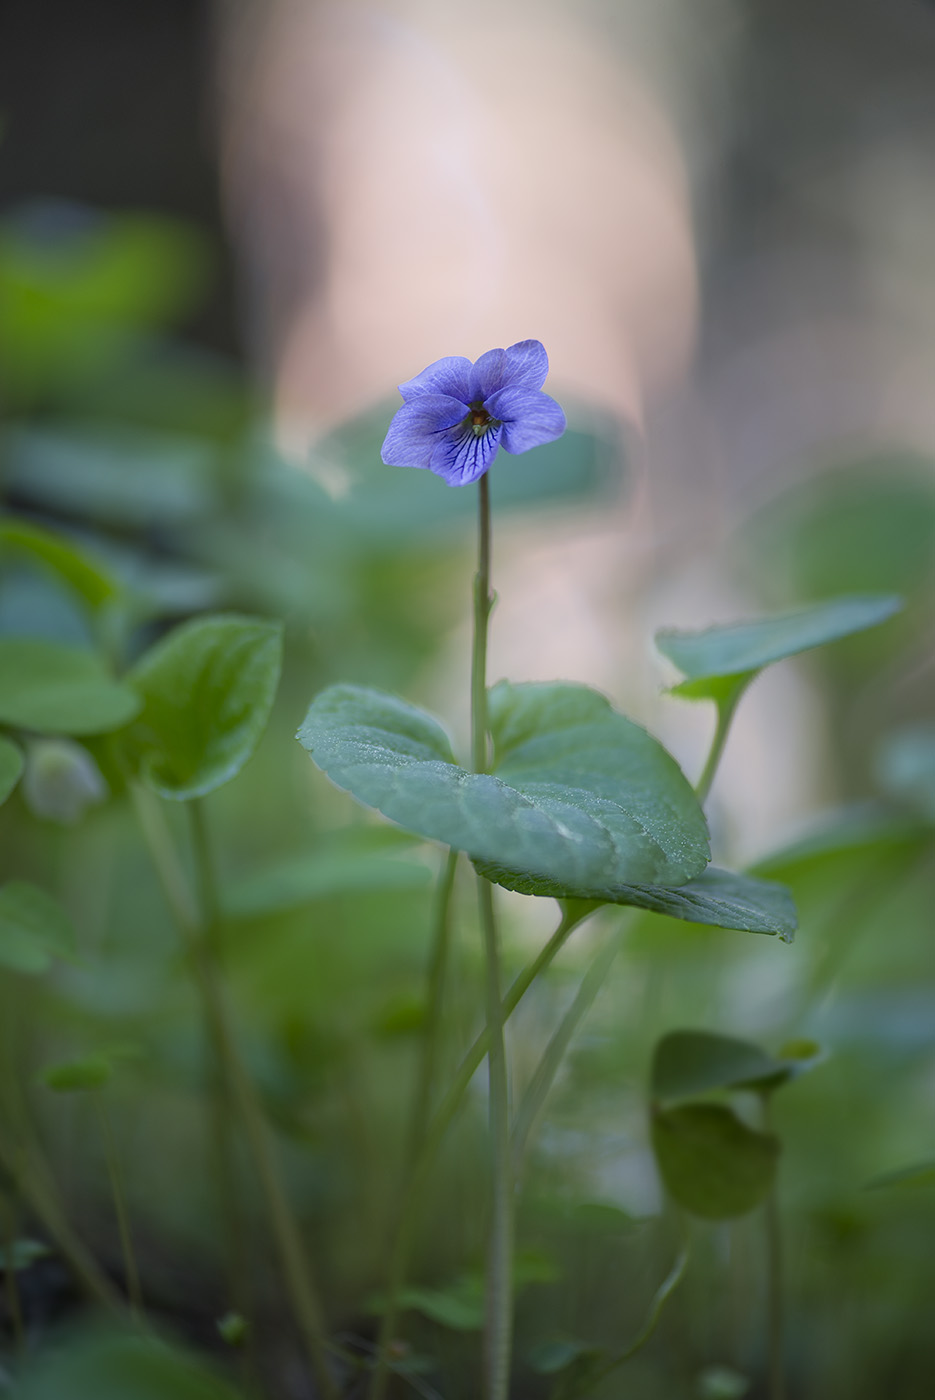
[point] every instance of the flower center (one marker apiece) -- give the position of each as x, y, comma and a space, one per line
478, 418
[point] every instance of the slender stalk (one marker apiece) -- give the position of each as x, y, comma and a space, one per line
284, 1228
134, 1291
499, 1303
483, 603
774, 1279
725, 715
434, 1136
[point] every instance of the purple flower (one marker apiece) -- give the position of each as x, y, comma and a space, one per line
456, 416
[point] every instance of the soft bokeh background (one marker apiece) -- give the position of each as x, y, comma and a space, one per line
227, 233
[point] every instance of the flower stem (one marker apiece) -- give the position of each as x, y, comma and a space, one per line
725, 714
483, 603
499, 1312
134, 1292
217, 1022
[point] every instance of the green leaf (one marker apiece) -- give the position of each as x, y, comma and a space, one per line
57, 689
741, 649
78, 1076
95, 1366
34, 928
716, 897
712, 1164
207, 691
89, 579
920, 1174
11, 766
687, 1063
579, 794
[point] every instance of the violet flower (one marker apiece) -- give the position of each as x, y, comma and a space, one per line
456, 416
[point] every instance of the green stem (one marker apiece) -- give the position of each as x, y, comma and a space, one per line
774, 1278
725, 714
437, 1128
483, 603
499, 1311
284, 1227
134, 1292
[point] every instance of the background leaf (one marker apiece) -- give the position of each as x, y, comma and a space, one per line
712, 1164
207, 691
579, 793
57, 689
743, 648
34, 928
686, 1063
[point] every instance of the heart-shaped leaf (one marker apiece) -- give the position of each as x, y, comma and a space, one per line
207, 691
741, 649
34, 928
579, 794
11, 766
687, 1063
57, 689
712, 1164
715, 897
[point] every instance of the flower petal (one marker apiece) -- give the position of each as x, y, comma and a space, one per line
462, 456
526, 365
529, 418
448, 376
414, 432
487, 375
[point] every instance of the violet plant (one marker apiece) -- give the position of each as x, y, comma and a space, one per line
564, 798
